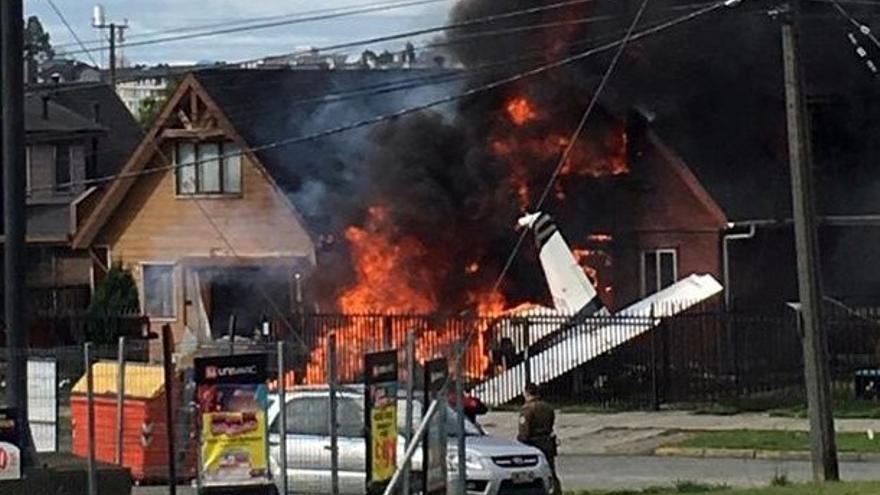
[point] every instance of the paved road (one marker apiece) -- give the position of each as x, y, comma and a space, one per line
614, 472
619, 472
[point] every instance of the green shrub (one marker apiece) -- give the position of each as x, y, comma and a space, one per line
116, 296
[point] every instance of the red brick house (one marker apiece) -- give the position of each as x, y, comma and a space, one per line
675, 227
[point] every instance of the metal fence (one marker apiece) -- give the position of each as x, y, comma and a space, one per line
117, 413
702, 355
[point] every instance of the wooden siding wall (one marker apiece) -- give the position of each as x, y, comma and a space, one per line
154, 225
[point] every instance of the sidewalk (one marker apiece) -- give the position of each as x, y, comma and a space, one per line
634, 433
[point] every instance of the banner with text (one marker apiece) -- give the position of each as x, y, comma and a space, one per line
380, 416
233, 399
434, 445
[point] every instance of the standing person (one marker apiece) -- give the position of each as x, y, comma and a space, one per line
536, 420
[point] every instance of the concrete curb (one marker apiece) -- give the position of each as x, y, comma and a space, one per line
780, 455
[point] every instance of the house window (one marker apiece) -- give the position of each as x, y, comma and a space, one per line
158, 290
659, 270
63, 162
208, 168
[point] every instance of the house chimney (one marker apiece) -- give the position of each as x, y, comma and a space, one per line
96, 112
45, 99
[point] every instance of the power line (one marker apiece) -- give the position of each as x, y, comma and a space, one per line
277, 23
446, 77
566, 153
72, 32
272, 304
366, 90
861, 27
535, 71
433, 29
233, 22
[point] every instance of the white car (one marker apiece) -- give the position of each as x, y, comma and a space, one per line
495, 466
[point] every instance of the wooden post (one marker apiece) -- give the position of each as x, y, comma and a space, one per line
815, 346
231, 334
90, 415
282, 411
120, 400
168, 365
333, 383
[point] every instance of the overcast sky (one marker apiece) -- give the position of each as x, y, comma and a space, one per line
149, 16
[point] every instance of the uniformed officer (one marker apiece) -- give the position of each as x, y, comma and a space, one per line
536, 420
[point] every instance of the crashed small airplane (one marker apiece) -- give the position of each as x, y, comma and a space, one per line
583, 328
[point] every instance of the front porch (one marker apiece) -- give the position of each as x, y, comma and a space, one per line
216, 296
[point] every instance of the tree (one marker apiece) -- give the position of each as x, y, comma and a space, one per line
115, 298
36, 41
149, 107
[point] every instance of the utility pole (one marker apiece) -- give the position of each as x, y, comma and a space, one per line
11, 20
113, 54
116, 34
815, 345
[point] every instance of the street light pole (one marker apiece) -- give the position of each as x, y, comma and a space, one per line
815, 345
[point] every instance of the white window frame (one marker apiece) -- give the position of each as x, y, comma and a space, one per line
67, 186
143, 294
223, 147
657, 271
109, 262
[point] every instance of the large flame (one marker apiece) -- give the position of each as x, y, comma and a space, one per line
394, 275
527, 141
400, 274
391, 275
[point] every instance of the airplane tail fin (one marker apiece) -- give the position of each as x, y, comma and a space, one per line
571, 289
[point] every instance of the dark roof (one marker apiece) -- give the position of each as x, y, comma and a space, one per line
71, 111
161, 71
124, 133
56, 120
67, 70
266, 106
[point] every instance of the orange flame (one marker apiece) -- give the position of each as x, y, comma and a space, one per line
394, 275
390, 275
528, 141
520, 111
597, 263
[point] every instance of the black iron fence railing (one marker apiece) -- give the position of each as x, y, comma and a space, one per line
700, 355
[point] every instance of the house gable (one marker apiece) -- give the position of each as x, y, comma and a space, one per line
675, 200
142, 216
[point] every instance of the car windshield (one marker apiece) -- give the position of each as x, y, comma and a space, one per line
470, 429
311, 413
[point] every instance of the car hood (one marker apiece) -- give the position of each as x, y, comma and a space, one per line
489, 446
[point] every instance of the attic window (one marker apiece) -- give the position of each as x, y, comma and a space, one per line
208, 168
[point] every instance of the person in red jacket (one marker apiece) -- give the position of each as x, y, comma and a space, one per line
472, 406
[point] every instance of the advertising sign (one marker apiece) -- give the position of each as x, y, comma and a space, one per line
233, 399
434, 451
43, 403
10, 454
380, 416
